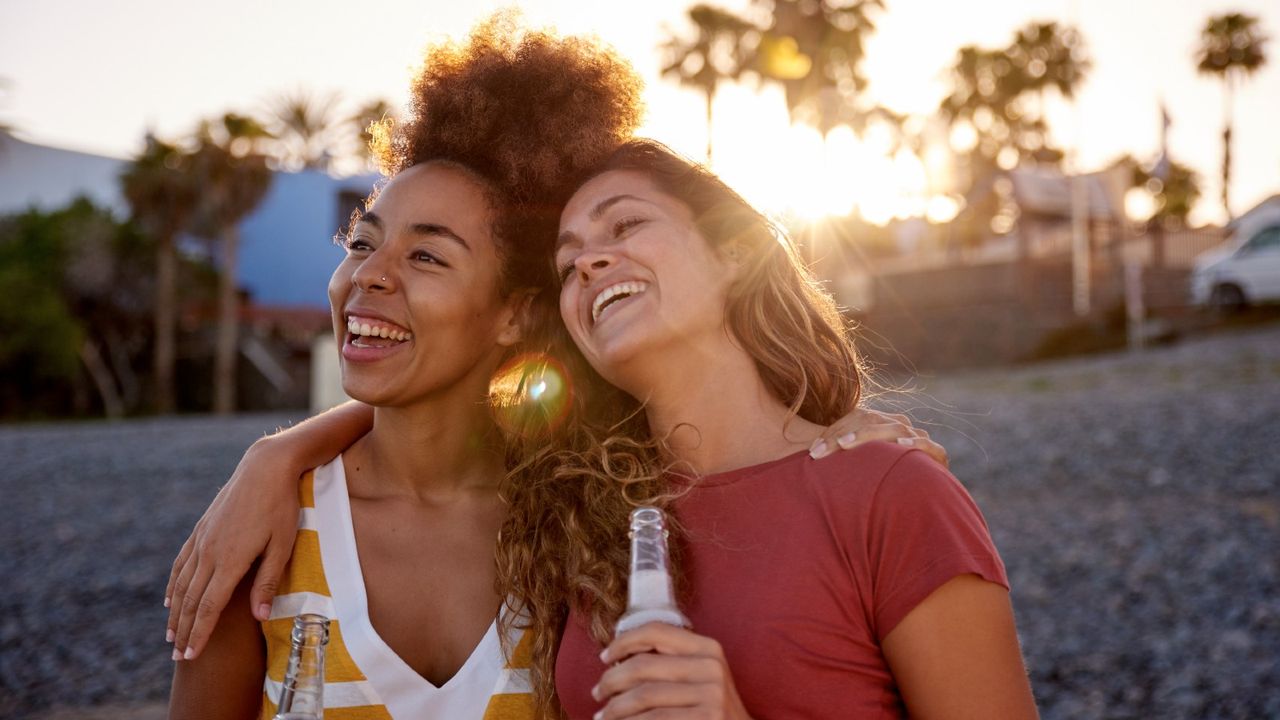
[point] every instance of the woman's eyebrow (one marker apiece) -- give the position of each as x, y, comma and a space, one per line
603, 206
568, 236
422, 229
438, 230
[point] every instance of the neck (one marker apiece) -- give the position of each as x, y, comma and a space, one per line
714, 409
442, 445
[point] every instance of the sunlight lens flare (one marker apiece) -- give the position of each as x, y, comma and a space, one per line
530, 395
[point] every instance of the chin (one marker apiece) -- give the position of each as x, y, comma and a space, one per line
618, 360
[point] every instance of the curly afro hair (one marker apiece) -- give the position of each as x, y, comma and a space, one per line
527, 111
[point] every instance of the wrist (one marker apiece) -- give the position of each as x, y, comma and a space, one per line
274, 456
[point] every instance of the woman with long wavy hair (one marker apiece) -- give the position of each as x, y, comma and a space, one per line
863, 586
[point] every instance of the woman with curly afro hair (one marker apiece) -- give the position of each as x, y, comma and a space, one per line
395, 540
448, 275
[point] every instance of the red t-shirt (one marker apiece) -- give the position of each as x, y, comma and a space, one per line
801, 567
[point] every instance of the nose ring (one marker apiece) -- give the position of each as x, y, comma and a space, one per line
384, 279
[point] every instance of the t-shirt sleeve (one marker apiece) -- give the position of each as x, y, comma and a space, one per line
924, 529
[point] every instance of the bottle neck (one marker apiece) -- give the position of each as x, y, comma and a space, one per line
302, 693
649, 592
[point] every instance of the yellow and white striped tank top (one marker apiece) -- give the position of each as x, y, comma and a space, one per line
364, 678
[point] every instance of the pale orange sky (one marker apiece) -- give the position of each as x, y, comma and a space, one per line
94, 76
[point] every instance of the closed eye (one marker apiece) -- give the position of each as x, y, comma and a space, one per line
564, 272
624, 224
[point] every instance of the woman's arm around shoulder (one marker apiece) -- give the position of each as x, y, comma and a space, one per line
254, 515
225, 682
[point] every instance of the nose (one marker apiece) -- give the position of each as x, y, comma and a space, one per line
591, 264
373, 275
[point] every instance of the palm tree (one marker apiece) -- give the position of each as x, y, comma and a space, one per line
990, 87
305, 125
1174, 187
815, 49
1049, 56
234, 176
163, 196
1231, 47
721, 50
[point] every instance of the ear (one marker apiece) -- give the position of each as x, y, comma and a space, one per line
734, 256
515, 315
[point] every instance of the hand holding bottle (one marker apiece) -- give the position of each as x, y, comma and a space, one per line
663, 667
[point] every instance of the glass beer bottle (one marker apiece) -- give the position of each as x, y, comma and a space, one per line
302, 693
649, 594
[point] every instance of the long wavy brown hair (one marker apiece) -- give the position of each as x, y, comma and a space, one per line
571, 489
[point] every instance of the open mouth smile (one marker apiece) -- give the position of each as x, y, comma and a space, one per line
614, 294
365, 332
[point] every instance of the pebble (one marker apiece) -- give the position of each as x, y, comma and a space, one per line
1135, 501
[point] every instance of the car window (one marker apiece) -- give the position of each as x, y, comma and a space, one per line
1267, 240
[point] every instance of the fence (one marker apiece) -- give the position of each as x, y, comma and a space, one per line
1006, 309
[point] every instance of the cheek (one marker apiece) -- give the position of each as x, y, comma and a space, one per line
567, 305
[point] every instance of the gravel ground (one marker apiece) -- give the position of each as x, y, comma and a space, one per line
1134, 501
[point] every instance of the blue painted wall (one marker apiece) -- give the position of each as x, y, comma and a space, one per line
286, 246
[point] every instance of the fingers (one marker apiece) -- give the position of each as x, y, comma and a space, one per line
863, 426
664, 671
180, 577
267, 580
923, 442
179, 564
659, 638
192, 603
653, 669
889, 432
216, 594
660, 700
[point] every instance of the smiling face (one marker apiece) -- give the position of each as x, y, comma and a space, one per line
639, 282
416, 302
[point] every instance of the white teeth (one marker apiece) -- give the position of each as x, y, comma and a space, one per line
613, 291
355, 327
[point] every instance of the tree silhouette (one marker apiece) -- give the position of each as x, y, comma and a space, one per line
163, 196
306, 127
720, 50
1175, 188
1231, 48
990, 90
814, 48
233, 173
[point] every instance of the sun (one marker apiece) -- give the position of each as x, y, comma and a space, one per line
793, 170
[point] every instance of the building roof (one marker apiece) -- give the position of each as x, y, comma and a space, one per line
1047, 191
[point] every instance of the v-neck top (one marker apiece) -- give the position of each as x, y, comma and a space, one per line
364, 677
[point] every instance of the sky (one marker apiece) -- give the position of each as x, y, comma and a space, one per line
95, 75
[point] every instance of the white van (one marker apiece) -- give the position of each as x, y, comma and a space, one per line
1245, 270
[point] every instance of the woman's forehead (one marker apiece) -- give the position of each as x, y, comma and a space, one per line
436, 193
